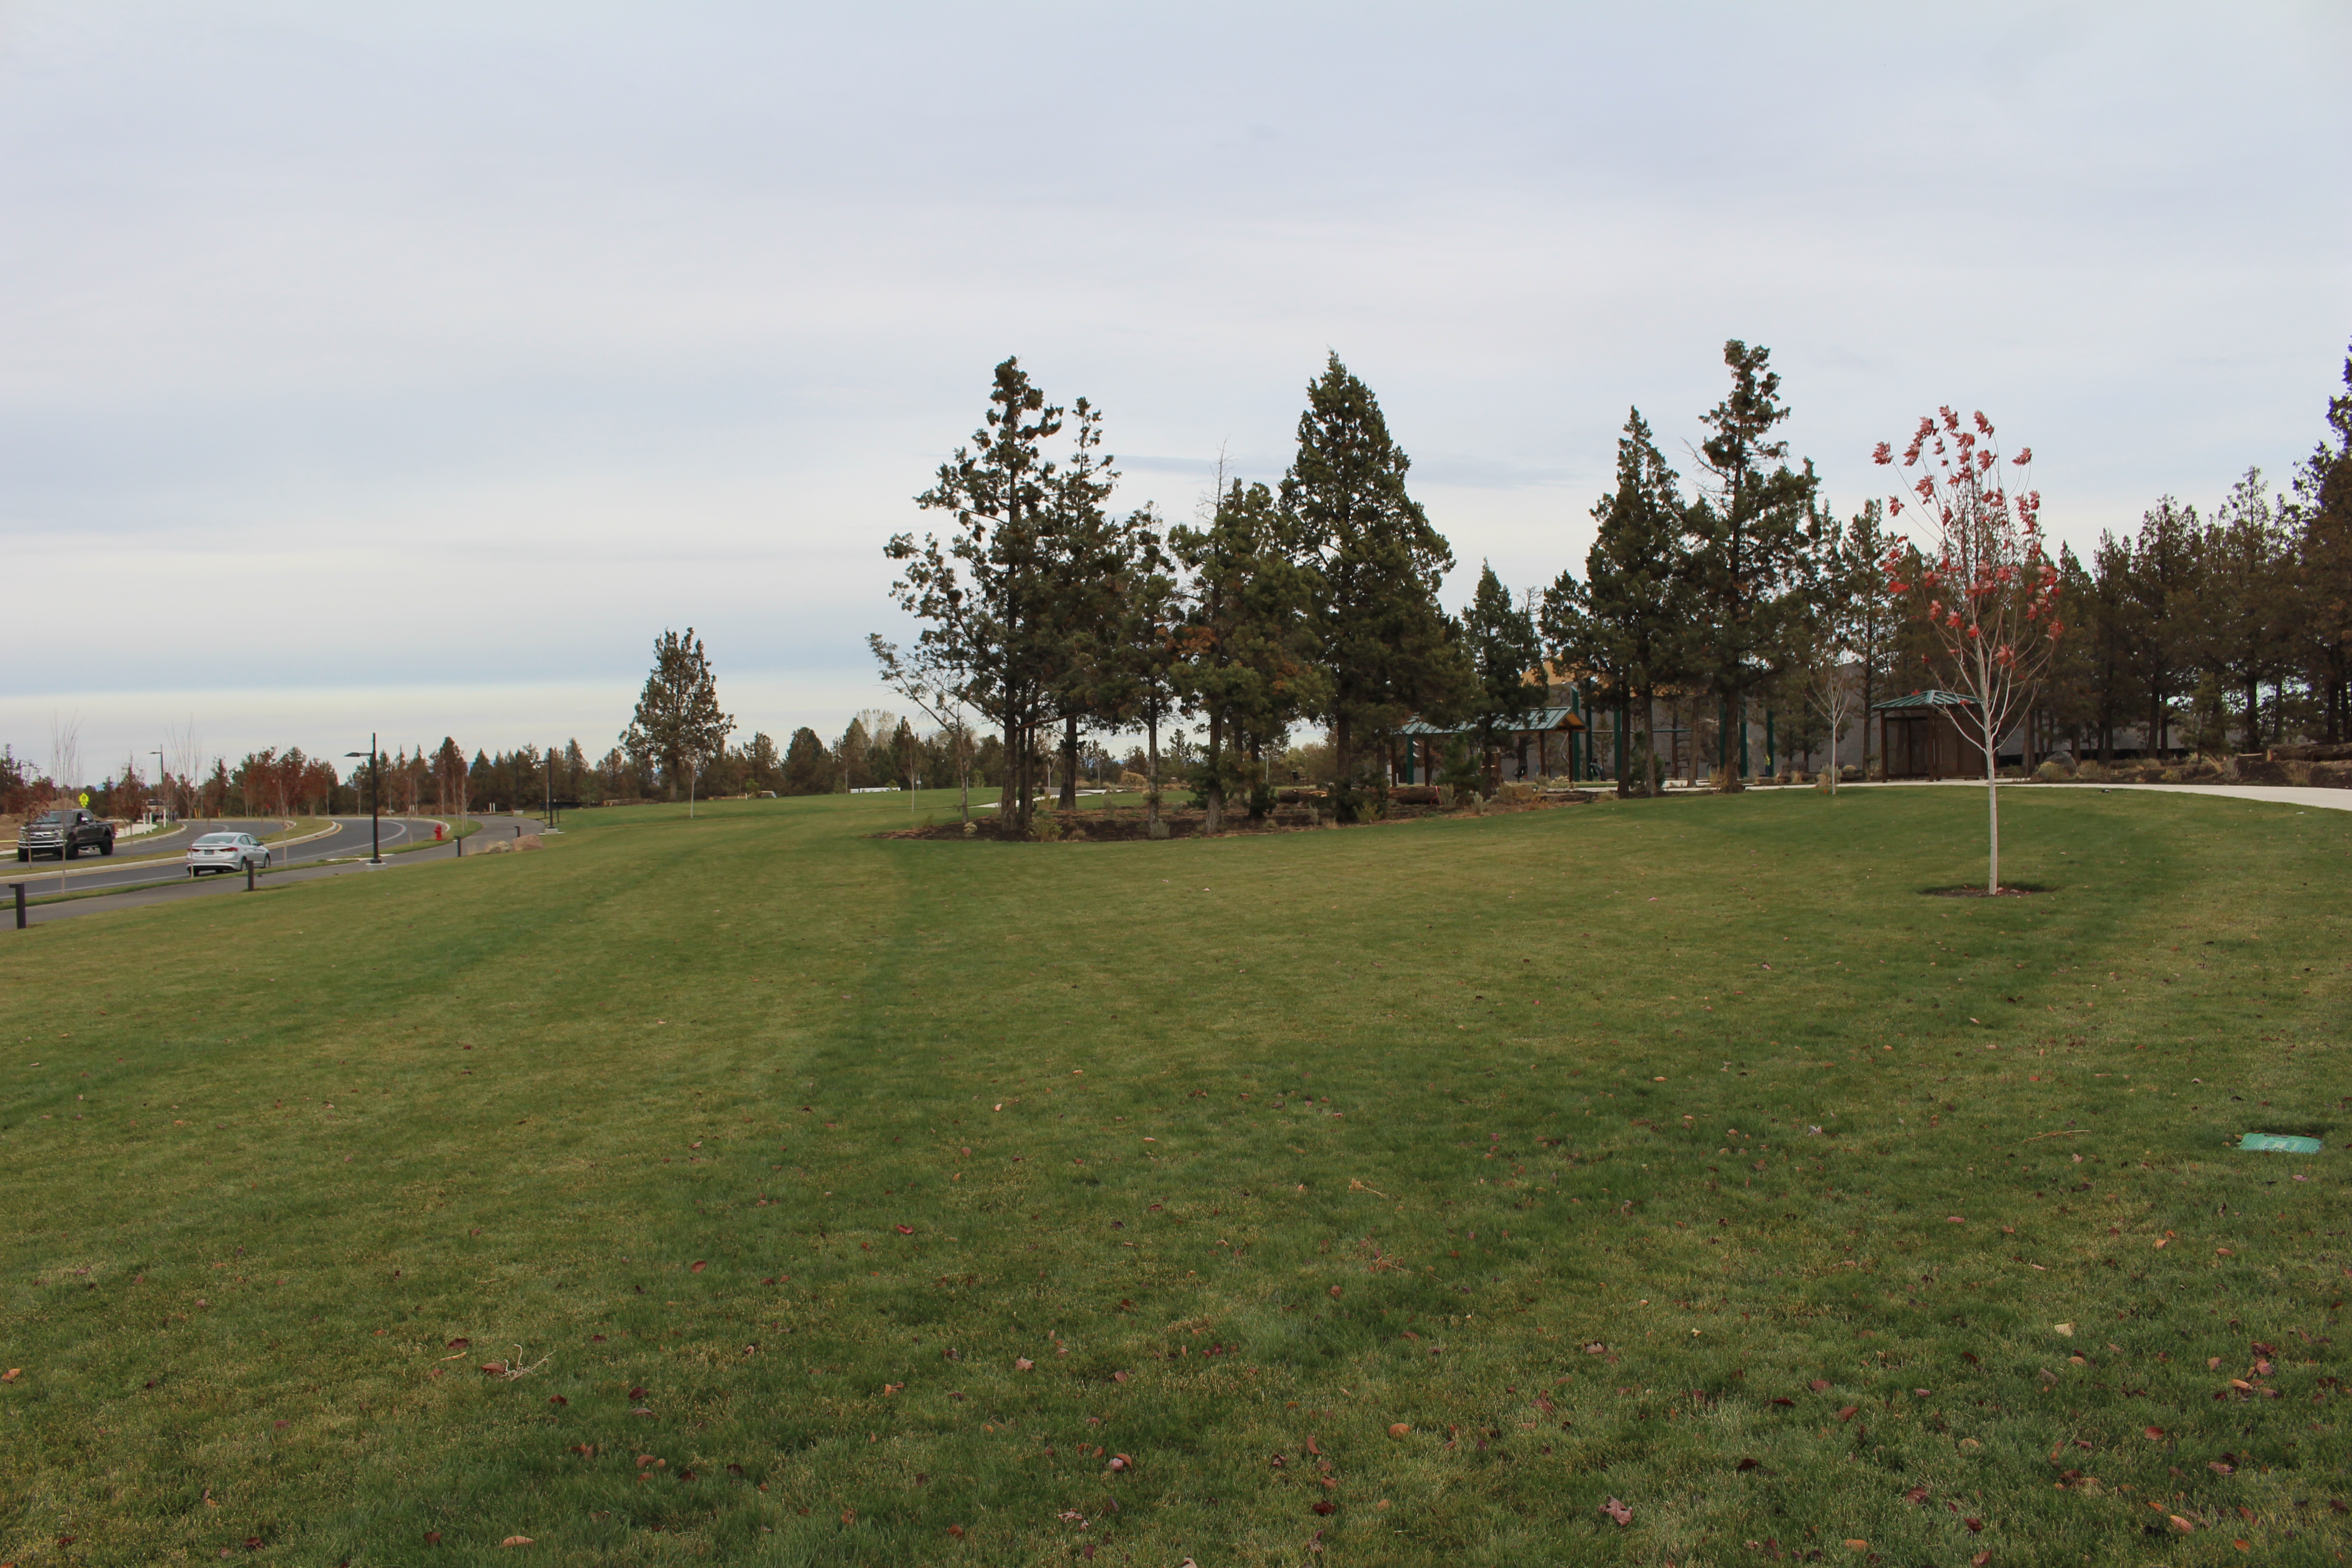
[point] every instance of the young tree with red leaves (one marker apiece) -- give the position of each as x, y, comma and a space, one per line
1983, 588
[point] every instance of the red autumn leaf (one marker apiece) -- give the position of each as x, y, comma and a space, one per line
1325, 1505
1745, 1464
2155, 1432
1787, 1402
1023, 1363
1974, 1525
637, 1394
685, 1475
906, 1230
1618, 1512
460, 1342
557, 1399
432, 1537
1314, 1448
1917, 1494
1849, 1412
697, 1266
1819, 1386
1981, 1558
956, 1531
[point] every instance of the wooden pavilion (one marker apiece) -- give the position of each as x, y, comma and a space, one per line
1920, 736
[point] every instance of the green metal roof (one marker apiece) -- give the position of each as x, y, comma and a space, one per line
1926, 700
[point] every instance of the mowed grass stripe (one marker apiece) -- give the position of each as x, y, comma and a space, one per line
517, 1100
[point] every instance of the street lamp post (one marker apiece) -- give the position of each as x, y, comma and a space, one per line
375, 804
158, 754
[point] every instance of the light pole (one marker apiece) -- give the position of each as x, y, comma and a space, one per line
375, 804
158, 754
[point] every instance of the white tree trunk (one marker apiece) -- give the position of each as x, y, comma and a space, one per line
1992, 809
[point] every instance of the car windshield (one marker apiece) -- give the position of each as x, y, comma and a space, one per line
217, 838
51, 816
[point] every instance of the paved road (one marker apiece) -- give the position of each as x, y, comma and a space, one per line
341, 852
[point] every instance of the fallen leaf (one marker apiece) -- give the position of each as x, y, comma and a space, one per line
1746, 1463
1618, 1512
1326, 1506
2219, 1468
1121, 1462
2067, 1329
11, 1375
2155, 1432
1858, 1545
460, 1342
1917, 1494
516, 1541
1398, 1429
1849, 1412
905, 1230
1974, 1525
697, 1266
1314, 1448
1981, 1558
1819, 1384
1023, 1363
2181, 1524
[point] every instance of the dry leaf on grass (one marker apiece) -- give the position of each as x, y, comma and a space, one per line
1618, 1512
516, 1541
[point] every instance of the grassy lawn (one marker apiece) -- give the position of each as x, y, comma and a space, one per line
1395, 1195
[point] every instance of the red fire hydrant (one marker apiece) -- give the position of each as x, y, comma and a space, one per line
437, 833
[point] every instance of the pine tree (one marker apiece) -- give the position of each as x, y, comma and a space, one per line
1747, 541
2321, 605
1630, 621
1379, 564
677, 723
1246, 645
1007, 594
1498, 637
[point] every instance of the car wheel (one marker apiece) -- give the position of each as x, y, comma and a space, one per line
69, 851
107, 847
265, 860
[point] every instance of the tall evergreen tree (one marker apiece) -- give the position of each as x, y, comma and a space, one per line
677, 723
1498, 637
2321, 606
989, 592
1630, 621
1747, 541
2162, 588
1246, 646
1378, 563
2244, 577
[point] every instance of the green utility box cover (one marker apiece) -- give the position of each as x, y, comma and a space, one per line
2279, 1143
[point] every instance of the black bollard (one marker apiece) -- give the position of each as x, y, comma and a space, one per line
20, 904
248, 876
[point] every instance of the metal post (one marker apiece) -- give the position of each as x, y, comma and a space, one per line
248, 876
376, 801
20, 904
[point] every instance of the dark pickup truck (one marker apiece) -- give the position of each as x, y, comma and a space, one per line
65, 832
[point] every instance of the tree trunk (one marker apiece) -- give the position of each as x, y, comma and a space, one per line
1343, 738
1007, 793
1070, 764
1213, 797
1625, 711
1992, 808
1152, 767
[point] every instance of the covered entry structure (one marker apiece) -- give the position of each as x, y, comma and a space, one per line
1921, 736
1425, 744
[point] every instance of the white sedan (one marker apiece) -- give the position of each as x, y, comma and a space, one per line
226, 852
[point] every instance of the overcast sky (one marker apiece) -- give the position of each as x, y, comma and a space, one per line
411, 367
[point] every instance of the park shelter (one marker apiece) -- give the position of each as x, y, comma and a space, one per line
1424, 744
1920, 736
